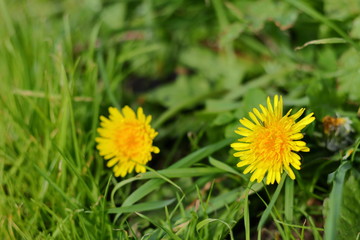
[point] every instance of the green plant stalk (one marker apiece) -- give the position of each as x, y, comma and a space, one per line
267, 211
318, 16
185, 162
335, 200
289, 202
355, 150
246, 212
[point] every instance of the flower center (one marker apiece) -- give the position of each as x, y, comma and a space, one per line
272, 142
131, 138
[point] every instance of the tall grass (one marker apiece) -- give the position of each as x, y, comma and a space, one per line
196, 67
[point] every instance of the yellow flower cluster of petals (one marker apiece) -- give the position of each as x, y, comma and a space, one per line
126, 140
270, 141
267, 147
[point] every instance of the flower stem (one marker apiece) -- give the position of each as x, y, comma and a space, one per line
246, 212
289, 202
267, 211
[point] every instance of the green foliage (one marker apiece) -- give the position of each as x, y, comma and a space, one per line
197, 67
349, 222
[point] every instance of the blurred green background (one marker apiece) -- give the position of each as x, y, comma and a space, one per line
196, 67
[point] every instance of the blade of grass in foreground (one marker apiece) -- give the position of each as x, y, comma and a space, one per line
56, 187
335, 201
147, 206
187, 161
210, 220
169, 173
168, 231
289, 200
267, 211
225, 167
322, 41
246, 212
289, 203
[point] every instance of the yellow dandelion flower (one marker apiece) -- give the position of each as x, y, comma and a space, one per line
270, 141
126, 140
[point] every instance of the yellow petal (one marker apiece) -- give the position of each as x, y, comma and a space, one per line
140, 114
258, 114
247, 123
298, 114
289, 172
269, 105
155, 149
296, 136
278, 177
128, 112
243, 131
242, 163
115, 114
112, 162
240, 146
253, 117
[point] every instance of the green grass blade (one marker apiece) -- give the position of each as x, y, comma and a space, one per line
201, 154
318, 16
184, 162
225, 167
169, 173
55, 186
210, 220
246, 212
289, 200
289, 203
168, 231
355, 149
267, 211
74, 170
141, 207
313, 227
103, 204
180, 173
104, 75
299, 226
335, 201
166, 179
322, 41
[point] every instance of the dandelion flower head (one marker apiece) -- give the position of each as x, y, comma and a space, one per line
126, 140
270, 141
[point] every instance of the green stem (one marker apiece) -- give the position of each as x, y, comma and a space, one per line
289, 200
289, 203
267, 211
246, 212
318, 16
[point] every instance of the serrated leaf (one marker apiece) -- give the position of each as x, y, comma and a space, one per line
349, 224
